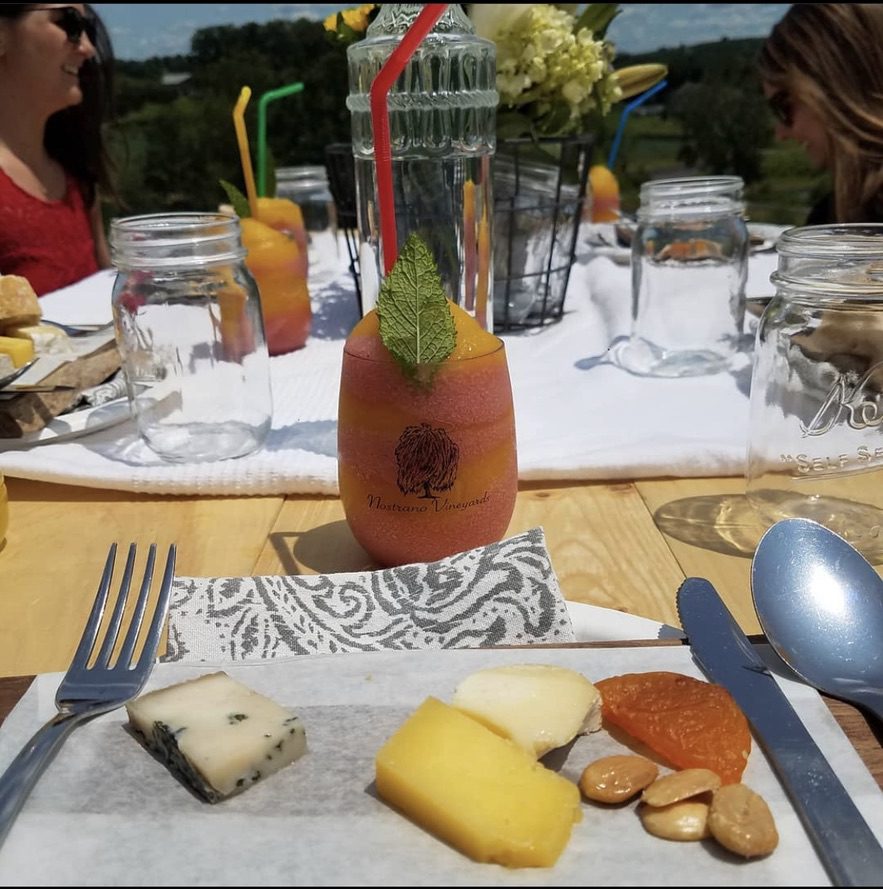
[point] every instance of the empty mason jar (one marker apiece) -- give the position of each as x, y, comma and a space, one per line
689, 265
191, 336
308, 188
816, 426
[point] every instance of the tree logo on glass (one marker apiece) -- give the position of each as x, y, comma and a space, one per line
427, 460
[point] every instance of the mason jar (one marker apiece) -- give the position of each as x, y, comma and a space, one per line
308, 187
816, 409
191, 337
689, 266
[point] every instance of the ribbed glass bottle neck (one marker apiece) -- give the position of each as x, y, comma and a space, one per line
444, 101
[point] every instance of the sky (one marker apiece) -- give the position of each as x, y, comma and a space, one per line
143, 30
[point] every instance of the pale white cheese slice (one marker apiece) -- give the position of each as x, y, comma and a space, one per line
539, 706
47, 340
217, 735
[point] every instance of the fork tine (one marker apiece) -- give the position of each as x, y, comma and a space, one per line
148, 653
113, 628
125, 657
90, 631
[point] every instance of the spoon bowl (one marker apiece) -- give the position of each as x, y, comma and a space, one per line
820, 604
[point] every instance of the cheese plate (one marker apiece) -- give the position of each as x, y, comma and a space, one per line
106, 806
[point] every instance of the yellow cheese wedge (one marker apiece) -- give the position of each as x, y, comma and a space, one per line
475, 790
539, 706
47, 340
21, 351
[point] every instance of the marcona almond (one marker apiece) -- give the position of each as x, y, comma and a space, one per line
680, 786
615, 779
741, 821
683, 821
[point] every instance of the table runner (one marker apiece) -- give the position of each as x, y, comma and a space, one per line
577, 417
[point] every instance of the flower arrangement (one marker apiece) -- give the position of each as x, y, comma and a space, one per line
350, 24
555, 72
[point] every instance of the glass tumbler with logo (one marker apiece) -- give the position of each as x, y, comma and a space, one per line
689, 265
816, 424
191, 336
426, 469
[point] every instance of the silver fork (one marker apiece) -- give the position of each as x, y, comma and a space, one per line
88, 691
78, 329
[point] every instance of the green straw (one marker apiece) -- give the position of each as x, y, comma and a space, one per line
265, 100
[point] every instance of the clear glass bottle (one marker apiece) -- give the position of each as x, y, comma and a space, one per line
689, 266
816, 424
191, 335
442, 115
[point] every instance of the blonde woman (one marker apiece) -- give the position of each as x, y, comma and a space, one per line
822, 72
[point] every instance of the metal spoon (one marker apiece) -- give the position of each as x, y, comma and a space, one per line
820, 604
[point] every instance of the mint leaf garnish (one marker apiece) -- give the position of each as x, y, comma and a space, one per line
416, 323
237, 199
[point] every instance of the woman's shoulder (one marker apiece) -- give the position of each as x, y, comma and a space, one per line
13, 194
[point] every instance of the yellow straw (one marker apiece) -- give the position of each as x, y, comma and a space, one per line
244, 153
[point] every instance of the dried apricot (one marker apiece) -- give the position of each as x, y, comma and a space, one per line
688, 722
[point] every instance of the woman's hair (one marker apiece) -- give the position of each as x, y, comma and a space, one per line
829, 56
74, 136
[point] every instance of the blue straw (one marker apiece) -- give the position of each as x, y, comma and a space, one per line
614, 148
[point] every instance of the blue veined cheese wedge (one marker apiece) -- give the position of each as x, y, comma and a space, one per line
538, 706
216, 735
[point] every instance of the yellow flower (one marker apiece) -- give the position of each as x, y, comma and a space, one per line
350, 23
357, 18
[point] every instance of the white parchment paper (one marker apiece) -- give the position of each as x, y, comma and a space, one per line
107, 813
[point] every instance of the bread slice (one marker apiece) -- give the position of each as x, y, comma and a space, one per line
18, 302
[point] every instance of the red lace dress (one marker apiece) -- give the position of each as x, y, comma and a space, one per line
48, 242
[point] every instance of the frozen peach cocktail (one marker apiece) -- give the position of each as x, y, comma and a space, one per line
426, 448
278, 264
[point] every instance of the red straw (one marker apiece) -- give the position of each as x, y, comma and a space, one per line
380, 88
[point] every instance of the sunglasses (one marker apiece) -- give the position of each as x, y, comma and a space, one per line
71, 21
782, 107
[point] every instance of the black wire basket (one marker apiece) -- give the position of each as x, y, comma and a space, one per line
539, 188
341, 169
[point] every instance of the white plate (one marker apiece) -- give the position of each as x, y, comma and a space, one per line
592, 623
70, 425
112, 815
764, 235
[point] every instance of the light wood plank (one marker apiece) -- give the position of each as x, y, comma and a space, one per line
712, 532
58, 539
605, 549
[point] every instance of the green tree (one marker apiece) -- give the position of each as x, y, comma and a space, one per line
725, 128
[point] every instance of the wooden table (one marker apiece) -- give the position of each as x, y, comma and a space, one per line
621, 545
624, 545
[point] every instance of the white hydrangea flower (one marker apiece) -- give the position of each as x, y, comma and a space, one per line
542, 64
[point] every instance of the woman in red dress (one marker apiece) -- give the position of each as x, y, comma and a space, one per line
55, 88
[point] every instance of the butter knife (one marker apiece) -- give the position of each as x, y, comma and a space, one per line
845, 844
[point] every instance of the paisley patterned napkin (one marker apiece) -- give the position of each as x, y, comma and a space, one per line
502, 594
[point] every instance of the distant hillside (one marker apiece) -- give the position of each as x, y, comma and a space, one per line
721, 60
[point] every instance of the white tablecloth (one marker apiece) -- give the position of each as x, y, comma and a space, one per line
577, 417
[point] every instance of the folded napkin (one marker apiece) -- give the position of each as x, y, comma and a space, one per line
502, 594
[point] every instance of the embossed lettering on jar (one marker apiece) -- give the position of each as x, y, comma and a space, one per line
816, 427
